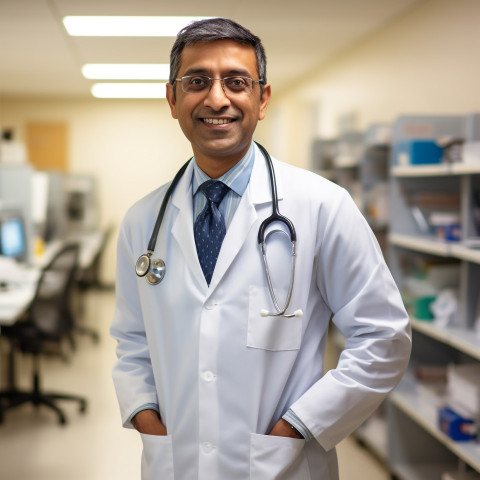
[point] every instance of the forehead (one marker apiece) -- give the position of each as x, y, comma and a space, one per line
222, 56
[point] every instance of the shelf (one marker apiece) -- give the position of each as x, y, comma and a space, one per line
421, 170
465, 253
423, 244
467, 341
465, 168
435, 246
422, 471
436, 170
424, 414
342, 162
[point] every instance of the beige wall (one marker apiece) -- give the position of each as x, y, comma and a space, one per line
131, 147
424, 62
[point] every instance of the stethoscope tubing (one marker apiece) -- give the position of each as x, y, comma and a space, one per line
153, 238
275, 216
280, 311
155, 273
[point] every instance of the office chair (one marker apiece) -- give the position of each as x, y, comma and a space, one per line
49, 320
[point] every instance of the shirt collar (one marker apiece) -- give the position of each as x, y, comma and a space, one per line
236, 178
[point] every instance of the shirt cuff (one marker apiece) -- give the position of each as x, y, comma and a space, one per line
146, 406
293, 420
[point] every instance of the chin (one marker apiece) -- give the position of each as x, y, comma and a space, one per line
227, 147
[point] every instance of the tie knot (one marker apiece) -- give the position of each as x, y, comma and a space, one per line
214, 190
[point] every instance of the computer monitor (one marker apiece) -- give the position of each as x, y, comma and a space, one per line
13, 239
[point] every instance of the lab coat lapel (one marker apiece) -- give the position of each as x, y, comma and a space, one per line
182, 228
257, 192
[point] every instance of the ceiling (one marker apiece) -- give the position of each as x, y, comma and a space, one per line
39, 58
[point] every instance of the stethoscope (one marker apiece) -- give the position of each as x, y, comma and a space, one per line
154, 269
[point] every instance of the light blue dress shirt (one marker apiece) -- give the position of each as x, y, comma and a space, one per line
236, 178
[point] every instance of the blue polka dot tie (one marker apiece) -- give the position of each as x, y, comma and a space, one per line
209, 228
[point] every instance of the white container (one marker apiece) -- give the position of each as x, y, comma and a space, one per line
463, 385
471, 152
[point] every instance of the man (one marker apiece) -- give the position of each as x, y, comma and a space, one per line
217, 388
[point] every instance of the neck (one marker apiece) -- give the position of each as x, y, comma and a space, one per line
216, 166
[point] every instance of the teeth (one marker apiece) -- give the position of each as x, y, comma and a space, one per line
217, 121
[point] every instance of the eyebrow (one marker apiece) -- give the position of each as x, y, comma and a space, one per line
204, 71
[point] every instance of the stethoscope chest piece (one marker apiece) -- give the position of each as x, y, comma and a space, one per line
157, 271
143, 265
154, 270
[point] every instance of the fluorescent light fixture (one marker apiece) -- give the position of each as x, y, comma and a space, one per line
122, 26
126, 71
128, 90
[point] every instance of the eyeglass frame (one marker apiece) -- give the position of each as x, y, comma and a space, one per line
222, 80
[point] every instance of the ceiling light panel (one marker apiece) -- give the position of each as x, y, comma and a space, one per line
124, 26
128, 90
128, 71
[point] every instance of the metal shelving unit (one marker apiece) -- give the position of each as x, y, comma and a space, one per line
404, 433
417, 448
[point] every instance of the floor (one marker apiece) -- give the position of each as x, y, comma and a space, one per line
33, 446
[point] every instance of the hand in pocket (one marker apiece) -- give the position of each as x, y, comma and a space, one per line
283, 429
148, 421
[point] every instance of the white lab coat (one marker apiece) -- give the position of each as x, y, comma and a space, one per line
223, 375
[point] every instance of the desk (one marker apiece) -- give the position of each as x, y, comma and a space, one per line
14, 301
89, 243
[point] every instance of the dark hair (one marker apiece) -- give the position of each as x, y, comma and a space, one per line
210, 30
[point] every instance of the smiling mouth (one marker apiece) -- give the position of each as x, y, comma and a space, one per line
217, 121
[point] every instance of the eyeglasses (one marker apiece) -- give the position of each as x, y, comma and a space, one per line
230, 85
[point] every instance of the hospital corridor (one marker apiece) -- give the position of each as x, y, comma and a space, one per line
200, 201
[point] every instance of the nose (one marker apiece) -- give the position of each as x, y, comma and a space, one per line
216, 98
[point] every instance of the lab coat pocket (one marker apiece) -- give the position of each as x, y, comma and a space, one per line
271, 333
157, 457
279, 458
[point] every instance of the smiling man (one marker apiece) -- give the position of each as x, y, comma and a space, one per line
220, 124
220, 353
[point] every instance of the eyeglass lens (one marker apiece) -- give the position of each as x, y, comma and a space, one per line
202, 83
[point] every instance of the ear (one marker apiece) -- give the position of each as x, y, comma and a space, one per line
264, 100
171, 99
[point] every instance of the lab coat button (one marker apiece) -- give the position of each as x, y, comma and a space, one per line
207, 447
210, 306
208, 376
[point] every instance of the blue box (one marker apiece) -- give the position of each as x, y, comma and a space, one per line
458, 428
417, 152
